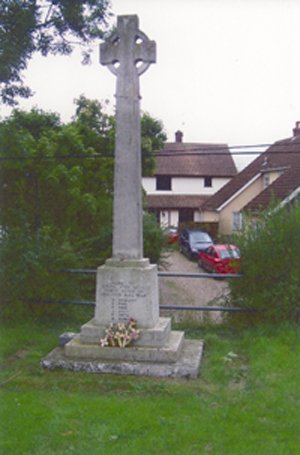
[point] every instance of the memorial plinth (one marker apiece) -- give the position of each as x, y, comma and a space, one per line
127, 284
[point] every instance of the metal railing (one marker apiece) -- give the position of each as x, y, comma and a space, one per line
162, 307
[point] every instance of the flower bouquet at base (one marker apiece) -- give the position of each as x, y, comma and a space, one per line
121, 334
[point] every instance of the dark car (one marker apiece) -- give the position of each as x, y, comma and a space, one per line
220, 259
191, 242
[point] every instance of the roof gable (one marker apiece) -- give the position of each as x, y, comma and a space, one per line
278, 190
285, 155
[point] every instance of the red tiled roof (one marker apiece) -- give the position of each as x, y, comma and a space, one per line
175, 201
195, 160
283, 154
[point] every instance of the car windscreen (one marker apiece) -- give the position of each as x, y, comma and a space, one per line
200, 237
229, 253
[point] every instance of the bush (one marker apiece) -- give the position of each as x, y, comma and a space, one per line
154, 239
31, 268
270, 266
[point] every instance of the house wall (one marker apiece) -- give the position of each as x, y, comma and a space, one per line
185, 185
197, 216
274, 176
169, 218
193, 185
237, 204
208, 217
149, 184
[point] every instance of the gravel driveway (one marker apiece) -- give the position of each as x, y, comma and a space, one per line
190, 291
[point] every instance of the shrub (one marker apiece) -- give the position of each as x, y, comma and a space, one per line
154, 239
31, 268
270, 266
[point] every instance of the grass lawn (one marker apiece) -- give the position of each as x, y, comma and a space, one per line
246, 400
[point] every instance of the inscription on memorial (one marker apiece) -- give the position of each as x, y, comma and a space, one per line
122, 297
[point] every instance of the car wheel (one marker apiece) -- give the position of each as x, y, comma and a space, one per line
200, 263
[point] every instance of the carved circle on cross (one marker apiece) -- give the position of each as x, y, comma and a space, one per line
141, 66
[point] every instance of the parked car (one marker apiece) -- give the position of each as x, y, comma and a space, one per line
172, 234
220, 259
191, 242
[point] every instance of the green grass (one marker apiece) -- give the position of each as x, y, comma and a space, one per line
246, 400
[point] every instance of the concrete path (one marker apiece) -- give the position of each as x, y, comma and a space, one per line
190, 291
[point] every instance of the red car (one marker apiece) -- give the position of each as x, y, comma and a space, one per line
172, 234
220, 259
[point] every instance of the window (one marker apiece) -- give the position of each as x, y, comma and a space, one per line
186, 215
200, 237
230, 253
237, 221
208, 182
163, 182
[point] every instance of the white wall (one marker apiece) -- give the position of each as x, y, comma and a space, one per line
169, 218
149, 184
197, 216
185, 185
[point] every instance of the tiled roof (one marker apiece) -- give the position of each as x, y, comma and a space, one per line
284, 155
195, 160
175, 201
279, 190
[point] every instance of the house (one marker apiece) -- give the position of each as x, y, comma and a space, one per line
274, 175
186, 175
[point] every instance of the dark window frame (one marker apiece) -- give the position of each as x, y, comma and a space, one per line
163, 183
208, 181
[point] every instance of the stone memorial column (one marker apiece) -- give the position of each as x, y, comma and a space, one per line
127, 284
128, 53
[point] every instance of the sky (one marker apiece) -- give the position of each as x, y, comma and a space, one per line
227, 71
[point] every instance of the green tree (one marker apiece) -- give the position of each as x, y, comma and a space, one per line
52, 176
90, 115
56, 206
153, 138
45, 26
95, 125
56, 199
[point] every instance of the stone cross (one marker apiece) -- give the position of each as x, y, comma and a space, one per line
127, 284
128, 53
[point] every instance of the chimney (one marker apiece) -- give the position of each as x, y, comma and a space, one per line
296, 130
179, 135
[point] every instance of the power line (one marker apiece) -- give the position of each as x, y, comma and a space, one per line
235, 150
57, 157
207, 147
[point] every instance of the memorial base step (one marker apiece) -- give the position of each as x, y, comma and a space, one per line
187, 364
92, 332
167, 353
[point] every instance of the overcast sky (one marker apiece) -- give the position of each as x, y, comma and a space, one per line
227, 70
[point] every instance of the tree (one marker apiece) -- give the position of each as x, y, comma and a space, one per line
60, 176
153, 137
90, 115
95, 125
45, 26
52, 175
56, 199
56, 206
